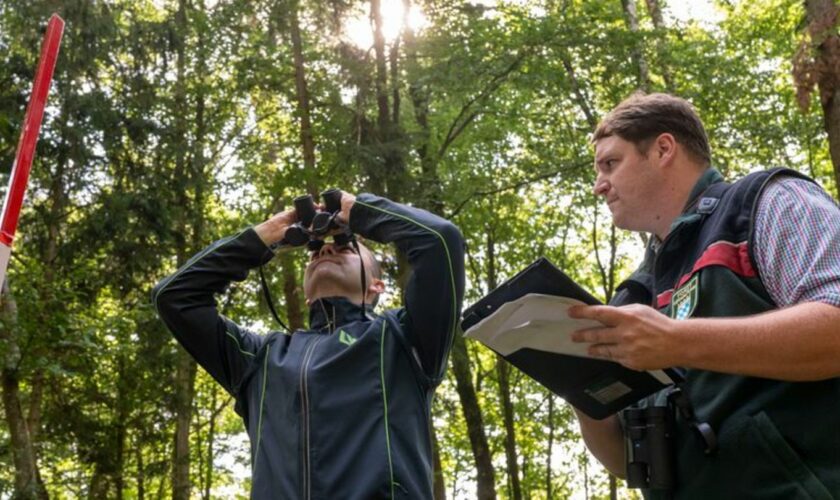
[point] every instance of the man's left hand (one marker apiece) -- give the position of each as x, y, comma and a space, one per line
347, 201
637, 336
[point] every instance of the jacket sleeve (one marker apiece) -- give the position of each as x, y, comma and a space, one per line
186, 303
434, 291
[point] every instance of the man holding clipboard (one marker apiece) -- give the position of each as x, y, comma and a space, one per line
740, 286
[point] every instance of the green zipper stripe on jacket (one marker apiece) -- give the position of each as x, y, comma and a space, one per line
445, 248
385, 402
262, 400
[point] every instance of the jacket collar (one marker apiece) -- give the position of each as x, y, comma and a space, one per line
689, 215
709, 177
330, 312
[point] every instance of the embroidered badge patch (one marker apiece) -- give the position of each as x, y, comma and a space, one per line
684, 300
345, 338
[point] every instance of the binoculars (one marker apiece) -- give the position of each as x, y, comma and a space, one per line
314, 225
650, 437
650, 458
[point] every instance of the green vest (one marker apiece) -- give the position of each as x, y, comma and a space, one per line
776, 440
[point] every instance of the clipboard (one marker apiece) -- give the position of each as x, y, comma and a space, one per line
597, 387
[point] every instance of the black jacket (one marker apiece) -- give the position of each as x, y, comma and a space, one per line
341, 410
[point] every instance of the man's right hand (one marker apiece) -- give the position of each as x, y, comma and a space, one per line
274, 229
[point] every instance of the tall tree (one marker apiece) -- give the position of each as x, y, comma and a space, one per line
631, 17
503, 374
26, 467
817, 64
185, 367
654, 8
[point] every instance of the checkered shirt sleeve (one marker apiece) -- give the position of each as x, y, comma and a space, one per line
797, 243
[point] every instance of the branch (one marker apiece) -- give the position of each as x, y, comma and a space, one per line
473, 265
234, 135
515, 185
580, 96
613, 254
458, 125
601, 271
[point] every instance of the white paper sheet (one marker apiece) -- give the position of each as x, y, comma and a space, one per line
537, 321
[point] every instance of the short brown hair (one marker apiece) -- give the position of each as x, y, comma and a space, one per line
642, 117
376, 266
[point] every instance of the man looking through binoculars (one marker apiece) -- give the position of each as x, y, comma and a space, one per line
342, 409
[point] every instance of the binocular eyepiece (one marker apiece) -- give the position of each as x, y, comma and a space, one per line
314, 225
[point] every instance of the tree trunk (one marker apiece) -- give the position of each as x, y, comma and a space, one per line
33, 423
98, 483
430, 187
185, 372
36, 397
141, 470
439, 484
121, 424
549, 494
303, 108
431, 198
292, 293
183, 390
211, 437
485, 477
610, 288
503, 374
580, 95
393, 64
46, 286
655, 11
162, 484
381, 78
190, 172
831, 110
23, 453
824, 17
392, 173
607, 274
291, 290
636, 53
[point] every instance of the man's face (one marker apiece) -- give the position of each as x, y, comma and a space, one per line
629, 181
335, 271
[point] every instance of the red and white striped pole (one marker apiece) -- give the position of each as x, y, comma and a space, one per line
28, 139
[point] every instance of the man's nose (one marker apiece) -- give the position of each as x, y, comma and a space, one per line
326, 249
601, 187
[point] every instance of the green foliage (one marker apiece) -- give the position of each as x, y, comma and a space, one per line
165, 133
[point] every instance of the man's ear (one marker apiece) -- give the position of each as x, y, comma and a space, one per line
374, 290
376, 286
665, 148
